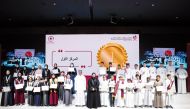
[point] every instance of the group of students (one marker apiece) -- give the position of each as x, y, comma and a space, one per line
144, 87
43, 87
124, 87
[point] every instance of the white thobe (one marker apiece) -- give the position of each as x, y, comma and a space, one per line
138, 96
171, 71
120, 100
152, 71
144, 74
80, 87
181, 81
170, 92
129, 99
104, 95
148, 95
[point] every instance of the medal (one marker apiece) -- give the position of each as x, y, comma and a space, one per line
112, 52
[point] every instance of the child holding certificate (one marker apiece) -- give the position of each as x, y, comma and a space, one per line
170, 91
119, 92
19, 92
7, 92
111, 84
37, 92
158, 98
148, 93
129, 99
61, 80
138, 98
68, 85
53, 100
30, 83
45, 92
104, 89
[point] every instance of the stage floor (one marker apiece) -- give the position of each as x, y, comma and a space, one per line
181, 101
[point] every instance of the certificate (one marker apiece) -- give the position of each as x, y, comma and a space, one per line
103, 89
60, 79
6, 89
53, 86
159, 88
67, 86
113, 69
102, 71
38, 75
45, 88
122, 86
148, 86
15, 75
71, 69
24, 77
130, 85
111, 84
55, 71
18, 86
29, 88
36, 89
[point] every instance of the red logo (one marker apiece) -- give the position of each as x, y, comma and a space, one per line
50, 38
28, 54
135, 38
168, 53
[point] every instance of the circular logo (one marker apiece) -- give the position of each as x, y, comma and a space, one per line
50, 38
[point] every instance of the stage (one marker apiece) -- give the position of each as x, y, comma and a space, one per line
181, 101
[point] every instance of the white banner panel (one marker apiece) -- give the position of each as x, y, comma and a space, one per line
22, 53
87, 50
162, 52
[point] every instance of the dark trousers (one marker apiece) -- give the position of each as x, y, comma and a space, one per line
112, 98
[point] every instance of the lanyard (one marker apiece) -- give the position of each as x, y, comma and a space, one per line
7, 78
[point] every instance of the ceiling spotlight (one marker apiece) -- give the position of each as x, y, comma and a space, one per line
9, 19
153, 5
69, 20
113, 19
54, 3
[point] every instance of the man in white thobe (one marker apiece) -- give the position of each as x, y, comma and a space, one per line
181, 81
104, 89
152, 71
170, 90
171, 70
144, 73
80, 87
162, 72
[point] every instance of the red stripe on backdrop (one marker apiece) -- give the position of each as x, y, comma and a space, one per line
188, 67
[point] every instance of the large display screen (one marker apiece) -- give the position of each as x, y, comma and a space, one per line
87, 51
